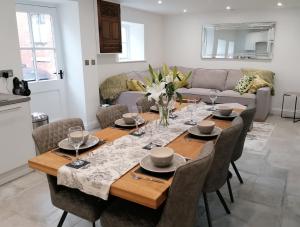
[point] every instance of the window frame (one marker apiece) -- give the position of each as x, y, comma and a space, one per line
126, 24
56, 48
127, 28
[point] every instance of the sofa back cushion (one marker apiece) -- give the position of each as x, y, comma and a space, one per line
232, 78
140, 75
209, 78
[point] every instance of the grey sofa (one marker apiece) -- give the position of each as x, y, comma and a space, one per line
201, 83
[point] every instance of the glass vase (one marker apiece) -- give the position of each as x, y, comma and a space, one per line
163, 115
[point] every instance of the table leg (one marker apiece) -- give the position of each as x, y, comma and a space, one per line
295, 110
282, 105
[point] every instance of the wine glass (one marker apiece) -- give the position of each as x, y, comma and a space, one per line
190, 108
150, 128
213, 95
171, 107
137, 110
75, 137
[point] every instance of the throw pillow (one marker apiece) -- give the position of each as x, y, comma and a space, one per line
135, 85
244, 84
258, 83
183, 82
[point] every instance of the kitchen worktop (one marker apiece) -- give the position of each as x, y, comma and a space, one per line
7, 99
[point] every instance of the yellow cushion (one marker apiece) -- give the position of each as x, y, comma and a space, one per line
183, 82
135, 85
265, 75
258, 83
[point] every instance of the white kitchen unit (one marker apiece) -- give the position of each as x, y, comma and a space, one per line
16, 144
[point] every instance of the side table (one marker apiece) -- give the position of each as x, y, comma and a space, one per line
290, 94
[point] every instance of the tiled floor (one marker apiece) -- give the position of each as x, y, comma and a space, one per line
270, 195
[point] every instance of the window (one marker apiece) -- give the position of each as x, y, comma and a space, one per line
221, 50
37, 45
132, 42
230, 51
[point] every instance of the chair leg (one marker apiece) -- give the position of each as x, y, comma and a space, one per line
229, 189
237, 173
207, 209
223, 202
62, 219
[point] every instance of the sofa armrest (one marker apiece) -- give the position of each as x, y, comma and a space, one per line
263, 103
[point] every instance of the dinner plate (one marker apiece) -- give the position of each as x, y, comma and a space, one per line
217, 114
155, 109
92, 141
121, 123
147, 164
196, 132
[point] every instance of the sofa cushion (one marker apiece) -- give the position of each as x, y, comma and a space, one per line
232, 78
209, 78
135, 85
244, 84
203, 93
233, 96
129, 99
194, 91
135, 75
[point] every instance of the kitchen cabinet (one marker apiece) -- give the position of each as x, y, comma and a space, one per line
16, 143
109, 24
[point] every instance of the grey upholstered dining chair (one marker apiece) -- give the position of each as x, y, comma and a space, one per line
69, 200
181, 206
108, 115
144, 104
247, 116
218, 174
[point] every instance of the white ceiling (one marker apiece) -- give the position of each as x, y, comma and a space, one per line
201, 6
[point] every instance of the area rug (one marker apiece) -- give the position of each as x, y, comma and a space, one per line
258, 137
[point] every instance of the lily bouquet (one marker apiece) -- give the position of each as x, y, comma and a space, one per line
161, 88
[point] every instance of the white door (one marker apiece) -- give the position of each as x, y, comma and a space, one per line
41, 55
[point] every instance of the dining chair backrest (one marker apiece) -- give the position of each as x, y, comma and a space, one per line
247, 116
224, 146
144, 104
48, 136
181, 205
108, 115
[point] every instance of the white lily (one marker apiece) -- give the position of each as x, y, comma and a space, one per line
169, 78
156, 90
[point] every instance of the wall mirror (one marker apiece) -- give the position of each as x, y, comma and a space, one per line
238, 41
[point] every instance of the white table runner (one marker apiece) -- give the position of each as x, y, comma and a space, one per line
110, 161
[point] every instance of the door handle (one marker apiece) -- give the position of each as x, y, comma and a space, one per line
60, 73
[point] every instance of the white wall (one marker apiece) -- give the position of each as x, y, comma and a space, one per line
9, 43
182, 44
71, 39
89, 51
107, 65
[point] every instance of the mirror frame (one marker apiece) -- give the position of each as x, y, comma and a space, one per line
250, 25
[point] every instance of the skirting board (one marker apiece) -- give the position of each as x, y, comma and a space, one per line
14, 174
289, 112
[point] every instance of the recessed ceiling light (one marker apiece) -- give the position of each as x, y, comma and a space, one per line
279, 4
159, 2
185, 10
228, 7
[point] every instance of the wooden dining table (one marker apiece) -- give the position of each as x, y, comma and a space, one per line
144, 192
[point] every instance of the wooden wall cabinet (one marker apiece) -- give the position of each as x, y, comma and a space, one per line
109, 23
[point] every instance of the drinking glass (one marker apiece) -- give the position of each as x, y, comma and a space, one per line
150, 128
213, 95
137, 118
190, 108
172, 105
75, 137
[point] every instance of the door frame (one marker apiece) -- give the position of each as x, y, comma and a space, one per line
44, 86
